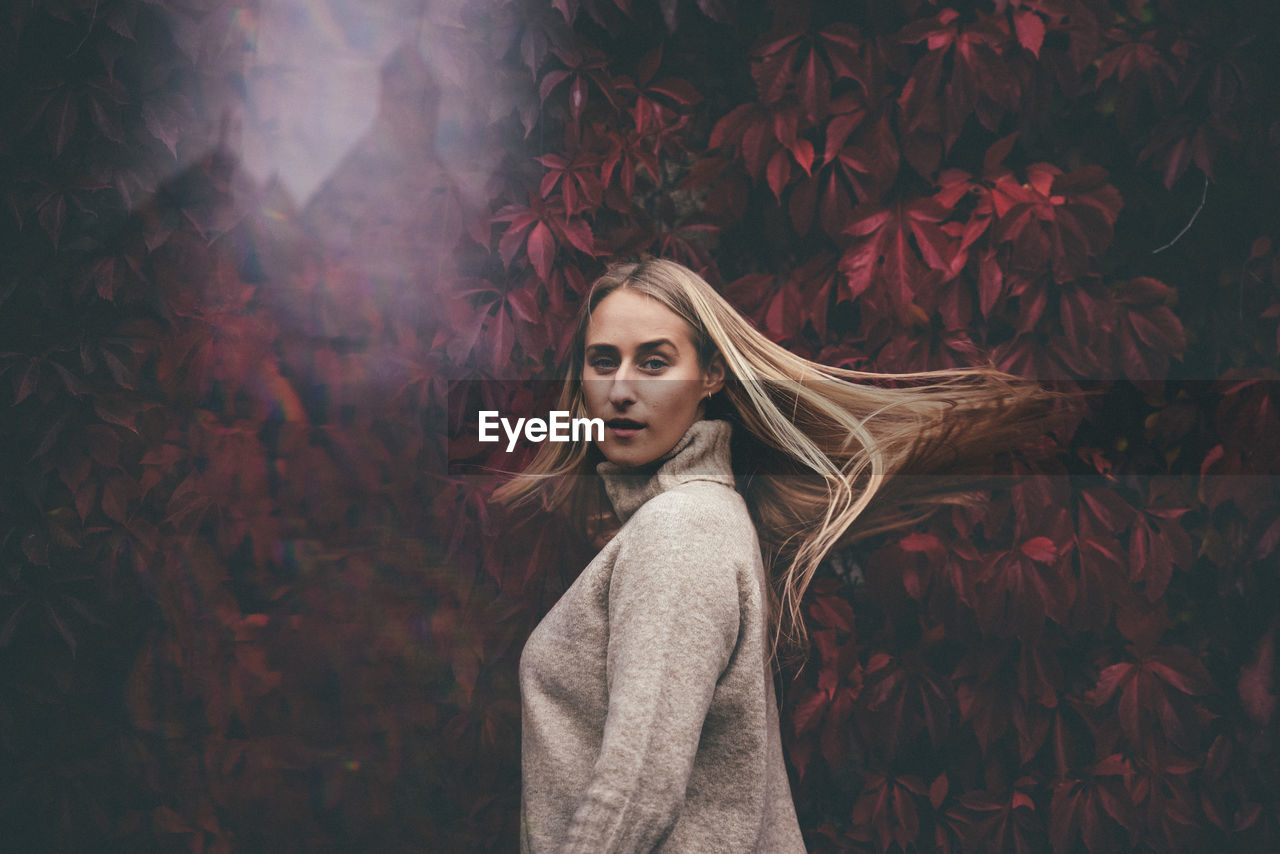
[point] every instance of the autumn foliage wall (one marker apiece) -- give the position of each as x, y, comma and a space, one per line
246, 604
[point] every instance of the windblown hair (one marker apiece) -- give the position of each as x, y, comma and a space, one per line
823, 456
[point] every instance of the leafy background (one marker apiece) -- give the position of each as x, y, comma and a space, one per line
246, 603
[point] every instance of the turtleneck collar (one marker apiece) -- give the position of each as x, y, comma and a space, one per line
701, 454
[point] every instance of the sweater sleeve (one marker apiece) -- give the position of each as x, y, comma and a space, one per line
673, 625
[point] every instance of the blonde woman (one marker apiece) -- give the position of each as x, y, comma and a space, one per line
649, 721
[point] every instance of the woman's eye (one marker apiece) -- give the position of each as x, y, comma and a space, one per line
653, 364
602, 364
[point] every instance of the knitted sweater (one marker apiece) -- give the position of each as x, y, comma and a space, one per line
649, 719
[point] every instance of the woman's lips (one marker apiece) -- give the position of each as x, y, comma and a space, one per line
624, 428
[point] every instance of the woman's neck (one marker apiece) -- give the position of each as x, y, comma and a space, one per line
701, 454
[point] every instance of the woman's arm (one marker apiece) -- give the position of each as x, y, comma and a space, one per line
673, 626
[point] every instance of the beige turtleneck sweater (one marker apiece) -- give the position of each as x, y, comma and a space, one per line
649, 719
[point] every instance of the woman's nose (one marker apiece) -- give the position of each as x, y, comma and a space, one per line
622, 387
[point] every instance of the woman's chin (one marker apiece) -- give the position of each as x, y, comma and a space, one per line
627, 456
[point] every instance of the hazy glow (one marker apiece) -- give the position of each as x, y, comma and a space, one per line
312, 81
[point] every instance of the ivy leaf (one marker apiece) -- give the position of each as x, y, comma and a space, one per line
1030, 28
887, 808
1086, 809
807, 713
1149, 334
757, 132
790, 58
585, 67
567, 8
61, 116
541, 228
656, 101
1040, 549
52, 214
833, 612
933, 105
59, 624
163, 123
541, 249
899, 249
26, 381
1016, 593
116, 409
1256, 684
908, 697
1149, 689
861, 169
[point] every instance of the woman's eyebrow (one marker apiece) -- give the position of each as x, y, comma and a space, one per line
653, 345
647, 345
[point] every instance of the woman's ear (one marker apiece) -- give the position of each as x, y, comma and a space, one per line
713, 376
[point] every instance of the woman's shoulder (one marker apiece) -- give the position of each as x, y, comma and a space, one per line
697, 539
708, 507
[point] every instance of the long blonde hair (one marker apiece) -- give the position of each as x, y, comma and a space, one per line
823, 456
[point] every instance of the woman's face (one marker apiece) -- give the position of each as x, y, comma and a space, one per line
642, 378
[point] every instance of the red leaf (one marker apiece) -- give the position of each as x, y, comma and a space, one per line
541, 249
884, 255
999, 150
1179, 668
803, 152
779, 172
1114, 765
808, 712
833, 612
756, 143
1176, 161
162, 123
511, 241
86, 495
936, 247
1030, 27
730, 126
502, 329
751, 293
1107, 508
814, 86
1246, 817
578, 233
550, 81
115, 410
648, 65
524, 304
938, 791
804, 197
60, 120
783, 317
578, 96
1268, 541
1112, 679
990, 283
24, 383
567, 8
115, 500
1040, 549
838, 130
465, 325
52, 215
772, 66
927, 543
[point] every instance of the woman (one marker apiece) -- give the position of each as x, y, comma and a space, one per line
649, 717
